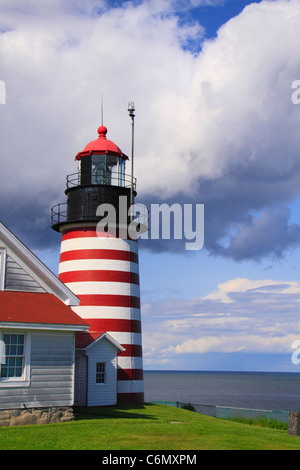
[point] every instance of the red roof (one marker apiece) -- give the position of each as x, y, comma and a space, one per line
82, 340
101, 146
30, 307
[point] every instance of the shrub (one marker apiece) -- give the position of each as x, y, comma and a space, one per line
188, 407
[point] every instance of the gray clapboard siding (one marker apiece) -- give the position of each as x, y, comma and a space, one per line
52, 376
16, 278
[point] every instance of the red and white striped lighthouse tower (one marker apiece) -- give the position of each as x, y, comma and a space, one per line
99, 266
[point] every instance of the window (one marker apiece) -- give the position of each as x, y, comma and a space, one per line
121, 173
105, 170
15, 351
13, 363
100, 373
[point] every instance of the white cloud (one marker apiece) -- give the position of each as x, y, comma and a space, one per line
244, 285
242, 316
233, 344
237, 104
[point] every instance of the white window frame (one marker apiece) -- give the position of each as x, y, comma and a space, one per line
2, 267
25, 379
101, 384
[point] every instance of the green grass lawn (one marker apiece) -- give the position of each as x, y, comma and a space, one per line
145, 427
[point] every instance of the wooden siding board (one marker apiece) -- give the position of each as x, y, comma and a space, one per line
52, 373
51, 363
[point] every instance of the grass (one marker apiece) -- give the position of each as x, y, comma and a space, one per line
145, 427
264, 422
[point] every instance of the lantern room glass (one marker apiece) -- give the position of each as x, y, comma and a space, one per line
108, 170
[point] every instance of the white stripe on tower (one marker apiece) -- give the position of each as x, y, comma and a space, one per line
103, 272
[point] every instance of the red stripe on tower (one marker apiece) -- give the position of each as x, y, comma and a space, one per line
108, 276
99, 254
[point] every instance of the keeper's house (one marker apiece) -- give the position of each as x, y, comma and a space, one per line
38, 330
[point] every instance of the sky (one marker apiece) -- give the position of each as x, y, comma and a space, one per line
215, 125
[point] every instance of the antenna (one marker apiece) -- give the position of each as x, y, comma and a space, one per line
131, 111
101, 109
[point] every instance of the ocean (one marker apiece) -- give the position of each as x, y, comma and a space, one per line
255, 390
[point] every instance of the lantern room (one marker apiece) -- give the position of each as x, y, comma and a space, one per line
100, 178
101, 162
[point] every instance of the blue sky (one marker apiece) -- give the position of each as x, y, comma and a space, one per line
215, 125
213, 16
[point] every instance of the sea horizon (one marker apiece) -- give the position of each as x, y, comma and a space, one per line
246, 389
225, 371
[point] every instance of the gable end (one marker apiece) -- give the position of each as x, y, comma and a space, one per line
16, 278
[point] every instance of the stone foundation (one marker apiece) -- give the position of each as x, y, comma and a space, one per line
36, 416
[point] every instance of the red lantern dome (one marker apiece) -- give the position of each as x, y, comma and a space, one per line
101, 146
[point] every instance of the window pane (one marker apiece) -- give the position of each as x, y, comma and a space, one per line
121, 172
21, 339
13, 339
11, 361
105, 170
100, 366
98, 169
111, 160
14, 351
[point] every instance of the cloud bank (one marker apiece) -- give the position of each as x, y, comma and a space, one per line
216, 126
242, 316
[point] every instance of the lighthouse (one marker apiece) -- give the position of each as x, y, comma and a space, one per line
101, 265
